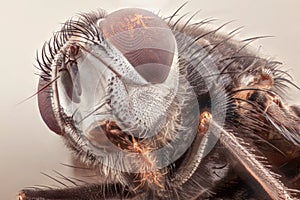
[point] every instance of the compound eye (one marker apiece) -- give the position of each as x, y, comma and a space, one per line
144, 39
45, 107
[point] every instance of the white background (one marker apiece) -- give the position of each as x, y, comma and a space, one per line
27, 147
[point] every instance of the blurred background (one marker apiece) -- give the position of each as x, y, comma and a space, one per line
27, 147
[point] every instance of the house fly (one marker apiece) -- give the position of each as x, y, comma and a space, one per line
164, 108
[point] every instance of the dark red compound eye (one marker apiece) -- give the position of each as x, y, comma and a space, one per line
144, 39
45, 106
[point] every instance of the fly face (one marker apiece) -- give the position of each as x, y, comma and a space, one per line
167, 110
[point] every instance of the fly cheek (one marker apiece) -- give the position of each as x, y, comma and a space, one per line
144, 39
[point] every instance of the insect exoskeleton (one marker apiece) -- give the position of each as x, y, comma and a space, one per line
166, 109
118, 95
